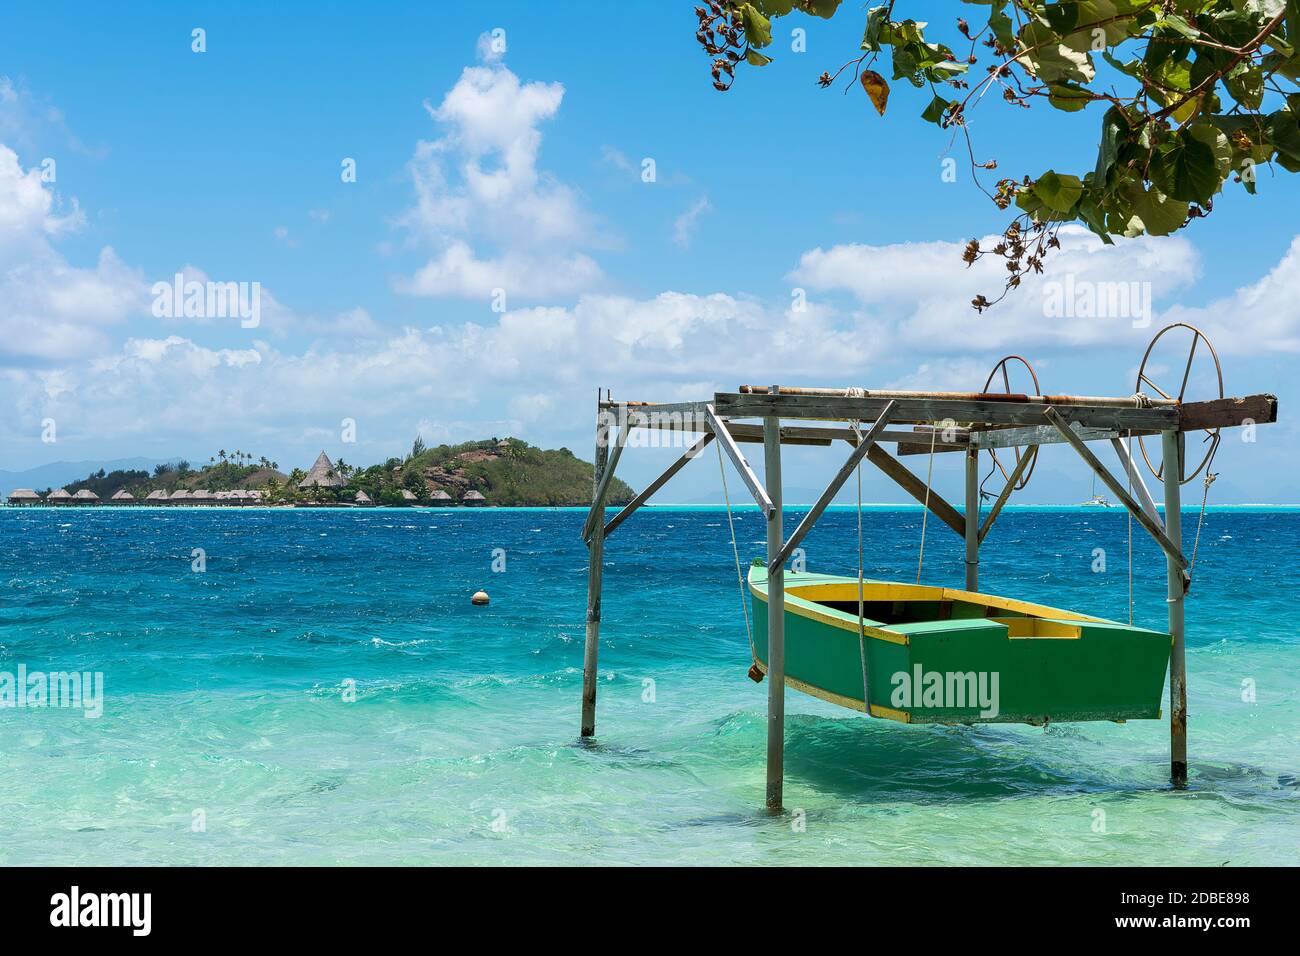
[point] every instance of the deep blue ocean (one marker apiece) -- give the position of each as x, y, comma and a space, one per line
323, 692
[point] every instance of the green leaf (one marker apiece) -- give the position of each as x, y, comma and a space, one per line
1284, 133
1069, 97
1159, 215
1185, 168
1247, 87
758, 28
1113, 128
935, 112
1058, 193
877, 17
1054, 62
754, 58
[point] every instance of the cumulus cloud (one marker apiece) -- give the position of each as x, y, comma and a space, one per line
479, 185
51, 310
1261, 317
922, 292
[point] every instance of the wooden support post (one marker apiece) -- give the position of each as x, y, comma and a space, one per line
595, 560
1177, 590
1135, 481
775, 615
972, 519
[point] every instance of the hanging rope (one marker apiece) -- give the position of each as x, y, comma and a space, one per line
1128, 470
925, 512
1205, 497
735, 549
862, 644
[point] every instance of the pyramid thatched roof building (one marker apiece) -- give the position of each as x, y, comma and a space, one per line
441, 497
180, 494
85, 494
472, 497
60, 495
322, 473
23, 496
122, 495
156, 495
364, 499
408, 495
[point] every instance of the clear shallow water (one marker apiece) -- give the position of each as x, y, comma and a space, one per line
224, 693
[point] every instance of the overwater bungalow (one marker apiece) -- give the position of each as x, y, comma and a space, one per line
157, 496
85, 497
441, 497
363, 499
179, 495
59, 496
202, 497
322, 474
408, 497
122, 497
472, 498
24, 496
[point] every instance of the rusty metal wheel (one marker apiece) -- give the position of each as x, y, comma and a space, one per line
1144, 377
1002, 371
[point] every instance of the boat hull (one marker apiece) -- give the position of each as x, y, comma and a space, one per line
941, 655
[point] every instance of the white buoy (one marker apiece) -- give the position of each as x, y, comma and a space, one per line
480, 598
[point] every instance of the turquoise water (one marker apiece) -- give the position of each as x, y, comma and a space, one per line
228, 737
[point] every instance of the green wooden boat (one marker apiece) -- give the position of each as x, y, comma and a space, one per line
942, 655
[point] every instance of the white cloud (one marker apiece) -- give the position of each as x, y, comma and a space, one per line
922, 291
1262, 317
684, 225
479, 185
51, 310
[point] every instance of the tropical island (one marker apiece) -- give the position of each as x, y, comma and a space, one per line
504, 472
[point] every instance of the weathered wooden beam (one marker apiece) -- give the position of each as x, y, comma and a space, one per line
1135, 480
915, 487
1172, 550
595, 567
1039, 435
775, 621
972, 519
855, 458
658, 483
746, 473
1228, 412
939, 410
1025, 460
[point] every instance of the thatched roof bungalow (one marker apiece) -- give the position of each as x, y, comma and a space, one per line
473, 497
123, 497
180, 494
363, 499
24, 496
85, 497
156, 495
202, 496
59, 496
441, 497
322, 473
408, 496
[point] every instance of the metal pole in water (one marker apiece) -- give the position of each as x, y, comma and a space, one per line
595, 560
1173, 470
972, 520
775, 614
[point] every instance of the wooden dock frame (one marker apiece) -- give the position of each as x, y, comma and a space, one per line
940, 422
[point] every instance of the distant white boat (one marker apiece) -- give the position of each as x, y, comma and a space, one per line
1097, 501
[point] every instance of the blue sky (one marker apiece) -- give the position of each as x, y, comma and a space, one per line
377, 298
